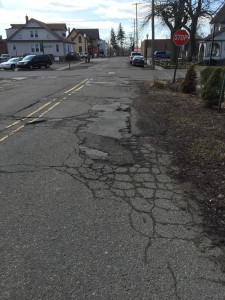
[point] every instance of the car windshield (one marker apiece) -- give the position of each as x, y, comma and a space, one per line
27, 58
13, 60
139, 57
136, 53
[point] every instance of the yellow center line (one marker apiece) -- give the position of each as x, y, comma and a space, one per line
11, 133
79, 88
45, 112
17, 122
76, 88
40, 108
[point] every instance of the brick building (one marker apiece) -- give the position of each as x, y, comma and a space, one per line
159, 45
3, 46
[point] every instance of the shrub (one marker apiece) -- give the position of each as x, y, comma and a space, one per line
71, 57
189, 83
205, 73
212, 88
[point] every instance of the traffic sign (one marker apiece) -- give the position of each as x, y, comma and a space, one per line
180, 37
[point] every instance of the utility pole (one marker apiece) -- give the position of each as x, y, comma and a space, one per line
136, 25
153, 34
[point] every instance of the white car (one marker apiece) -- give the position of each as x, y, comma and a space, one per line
134, 53
83, 54
10, 64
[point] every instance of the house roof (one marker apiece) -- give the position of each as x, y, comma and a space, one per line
220, 16
49, 27
60, 26
209, 37
57, 26
16, 26
92, 33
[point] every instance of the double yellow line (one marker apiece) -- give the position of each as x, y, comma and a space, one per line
74, 89
78, 87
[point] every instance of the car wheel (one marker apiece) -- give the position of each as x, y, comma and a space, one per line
13, 67
48, 66
30, 67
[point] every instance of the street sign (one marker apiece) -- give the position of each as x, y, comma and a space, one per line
180, 37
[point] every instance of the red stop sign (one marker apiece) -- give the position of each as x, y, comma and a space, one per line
180, 37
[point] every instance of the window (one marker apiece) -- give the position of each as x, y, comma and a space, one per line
14, 46
33, 33
63, 34
57, 48
20, 36
35, 48
217, 27
80, 39
215, 50
32, 48
48, 36
80, 49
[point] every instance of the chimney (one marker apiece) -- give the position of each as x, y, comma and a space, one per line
69, 30
27, 19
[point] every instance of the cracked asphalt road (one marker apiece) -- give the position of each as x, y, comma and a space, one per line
88, 210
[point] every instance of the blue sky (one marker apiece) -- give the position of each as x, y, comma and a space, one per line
100, 14
78, 14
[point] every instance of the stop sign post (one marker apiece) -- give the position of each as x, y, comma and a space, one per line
180, 38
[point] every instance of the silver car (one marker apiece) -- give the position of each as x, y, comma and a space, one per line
10, 64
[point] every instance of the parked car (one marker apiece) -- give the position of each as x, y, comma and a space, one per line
11, 63
83, 54
4, 57
138, 61
35, 61
162, 55
134, 53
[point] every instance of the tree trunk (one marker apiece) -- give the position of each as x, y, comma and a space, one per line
174, 48
192, 40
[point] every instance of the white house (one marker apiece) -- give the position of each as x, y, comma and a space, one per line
36, 37
213, 46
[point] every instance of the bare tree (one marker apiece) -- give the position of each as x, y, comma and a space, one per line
197, 9
182, 13
172, 13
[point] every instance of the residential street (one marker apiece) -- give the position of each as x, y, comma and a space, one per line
88, 210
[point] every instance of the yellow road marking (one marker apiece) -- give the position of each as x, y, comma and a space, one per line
40, 108
74, 89
75, 86
17, 122
11, 133
45, 112
79, 88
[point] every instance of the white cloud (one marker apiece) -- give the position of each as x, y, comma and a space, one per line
78, 14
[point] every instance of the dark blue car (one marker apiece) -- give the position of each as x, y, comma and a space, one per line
162, 55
